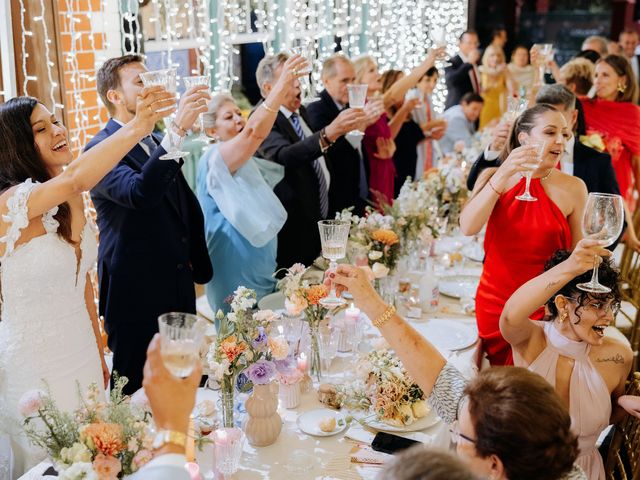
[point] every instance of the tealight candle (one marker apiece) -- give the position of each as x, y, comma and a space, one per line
352, 313
303, 362
194, 470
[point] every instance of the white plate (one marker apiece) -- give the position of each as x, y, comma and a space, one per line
273, 301
458, 286
474, 251
429, 420
308, 422
448, 335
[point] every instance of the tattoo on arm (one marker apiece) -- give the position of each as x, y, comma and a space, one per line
617, 358
551, 285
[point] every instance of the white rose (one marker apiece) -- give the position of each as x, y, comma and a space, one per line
375, 255
420, 408
78, 452
79, 471
379, 270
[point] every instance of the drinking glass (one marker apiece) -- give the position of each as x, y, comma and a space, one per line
439, 38
329, 339
304, 49
545, 55
515, 107
357, 99
181, 335
603, 219
194, 81
526, 196
228, 445
333, 236
167, 79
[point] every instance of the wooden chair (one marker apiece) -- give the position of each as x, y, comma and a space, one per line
623, 459
630, 278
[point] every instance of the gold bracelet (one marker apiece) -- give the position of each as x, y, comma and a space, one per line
268, 108
493, 188
181, 131
385, 317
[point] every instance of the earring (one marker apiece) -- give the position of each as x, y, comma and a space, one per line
621, 88
563, 317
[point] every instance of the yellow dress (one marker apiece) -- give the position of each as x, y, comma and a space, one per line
494, 93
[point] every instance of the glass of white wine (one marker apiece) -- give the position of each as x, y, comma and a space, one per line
194, 81
357, 100
526, 196
603, 220
334, 235
181, 335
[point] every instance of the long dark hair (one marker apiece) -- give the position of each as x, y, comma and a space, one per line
20, 158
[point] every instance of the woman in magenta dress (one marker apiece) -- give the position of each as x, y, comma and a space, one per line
521, 235
378, 143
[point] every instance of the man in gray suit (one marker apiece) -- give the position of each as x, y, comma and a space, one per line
172, 399
461, 121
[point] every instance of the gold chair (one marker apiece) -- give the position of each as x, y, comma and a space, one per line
623, 459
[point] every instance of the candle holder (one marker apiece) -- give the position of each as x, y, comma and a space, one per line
228, 445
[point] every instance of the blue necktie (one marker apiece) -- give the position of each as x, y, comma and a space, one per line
322, 181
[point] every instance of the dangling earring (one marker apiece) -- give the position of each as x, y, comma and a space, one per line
621, 88
563, 317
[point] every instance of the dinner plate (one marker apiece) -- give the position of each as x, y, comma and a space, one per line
448, 335
273, 301
459, 286
308, 422
429, 420
474, 251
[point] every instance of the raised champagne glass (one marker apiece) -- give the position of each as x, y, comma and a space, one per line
194, 81
357, 100
531, 167
334, 235
180, 337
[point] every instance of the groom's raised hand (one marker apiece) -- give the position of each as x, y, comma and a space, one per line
194, 102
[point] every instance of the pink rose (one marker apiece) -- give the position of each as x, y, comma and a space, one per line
30, 402
106, 467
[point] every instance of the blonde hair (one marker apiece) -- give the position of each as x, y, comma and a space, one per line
361, 63
209, 118
579, 71
490, 50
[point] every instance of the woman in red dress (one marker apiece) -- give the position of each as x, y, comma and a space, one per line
613, 115
522, 235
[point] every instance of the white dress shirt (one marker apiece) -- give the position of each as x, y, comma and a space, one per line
165, 143
307, 133
566, 162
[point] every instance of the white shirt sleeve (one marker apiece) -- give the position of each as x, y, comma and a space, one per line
490, 154
177, 141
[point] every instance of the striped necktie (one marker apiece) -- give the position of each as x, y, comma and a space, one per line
322, 181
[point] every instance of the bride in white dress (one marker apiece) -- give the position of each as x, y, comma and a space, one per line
48, 324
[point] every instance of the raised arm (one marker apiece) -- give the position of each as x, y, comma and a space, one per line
396, 122
515, 325
90, 167
491, 184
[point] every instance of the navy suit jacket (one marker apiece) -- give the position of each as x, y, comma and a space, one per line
458, 81
152, 245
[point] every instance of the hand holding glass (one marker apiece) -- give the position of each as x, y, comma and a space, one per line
357, 100
180, 337
603, 220
539, 148
334, 235
194, 81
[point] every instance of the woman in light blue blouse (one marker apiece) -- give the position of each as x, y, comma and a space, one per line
242, 214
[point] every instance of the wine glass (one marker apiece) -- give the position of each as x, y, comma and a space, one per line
194, 81
515, 107
603, 220
305, 51
168, 80
545, 55
439, 38
333, 236
357, 99
526, 196
180, 337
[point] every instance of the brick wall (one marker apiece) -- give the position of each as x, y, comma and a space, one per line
95, 35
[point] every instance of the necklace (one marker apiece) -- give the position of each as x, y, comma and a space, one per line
542, 178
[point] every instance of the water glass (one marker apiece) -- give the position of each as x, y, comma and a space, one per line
329, 339
228, 445
357, 100
193, 81
181, 335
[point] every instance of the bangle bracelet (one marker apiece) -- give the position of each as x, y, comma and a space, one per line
181, 131
493, 188
385, 317
268, 108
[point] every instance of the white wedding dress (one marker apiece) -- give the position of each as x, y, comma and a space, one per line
45, 329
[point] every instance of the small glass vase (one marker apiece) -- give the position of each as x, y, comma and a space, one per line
227, 402
315, 364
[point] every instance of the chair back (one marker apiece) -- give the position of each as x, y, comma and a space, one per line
630, 279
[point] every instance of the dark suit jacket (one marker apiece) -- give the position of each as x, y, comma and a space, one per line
152, 245
458, 81
298, 191
345, 160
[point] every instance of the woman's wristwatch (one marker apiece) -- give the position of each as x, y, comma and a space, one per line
172, 437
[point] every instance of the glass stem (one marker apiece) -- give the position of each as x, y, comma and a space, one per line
527, 179
202, 134
333, 266
594, 276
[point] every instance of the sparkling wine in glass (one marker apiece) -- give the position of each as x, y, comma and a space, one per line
603, 220
193, 81
439, 38
515, 107
334, 235
526, 196
545, 55
305, 50
357, 100
167, 79
180, 337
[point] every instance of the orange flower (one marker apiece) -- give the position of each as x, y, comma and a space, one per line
104, 437
388, 237
231, 349
315, 293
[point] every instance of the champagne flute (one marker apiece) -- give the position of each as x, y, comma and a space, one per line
603, 220
357, 99
194, 81
305, 51
180, 337
167, 79
545, 54
540, 148
334, 235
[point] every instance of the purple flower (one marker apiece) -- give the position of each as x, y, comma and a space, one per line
261, 372
286, 366
261, 339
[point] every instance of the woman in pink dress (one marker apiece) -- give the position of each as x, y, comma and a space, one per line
569, 347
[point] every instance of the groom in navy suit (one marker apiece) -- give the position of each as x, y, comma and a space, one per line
152, 245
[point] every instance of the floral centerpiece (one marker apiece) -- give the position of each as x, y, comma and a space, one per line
384, 390
447, 185
100, 440
244, 345
373, 240
303, 296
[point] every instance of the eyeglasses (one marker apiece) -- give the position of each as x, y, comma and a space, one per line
457, 436
600, 308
